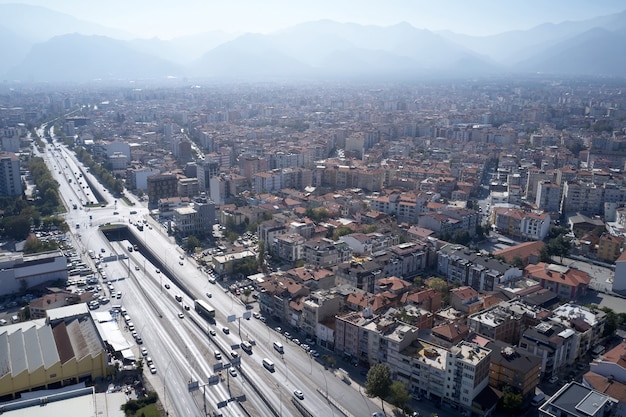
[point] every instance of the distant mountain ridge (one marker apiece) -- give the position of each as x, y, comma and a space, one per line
71, 50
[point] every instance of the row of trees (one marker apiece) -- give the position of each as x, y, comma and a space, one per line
47, 200
20, 216
116, 186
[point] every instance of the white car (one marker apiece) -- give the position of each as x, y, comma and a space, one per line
298, 394
232, 372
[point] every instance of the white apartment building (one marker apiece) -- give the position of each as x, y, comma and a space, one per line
456, 375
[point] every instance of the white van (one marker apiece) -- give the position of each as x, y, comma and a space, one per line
269, 365
538, 400
246, 346
279, 347
3, 322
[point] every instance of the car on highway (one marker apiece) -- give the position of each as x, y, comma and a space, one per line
181, 315
209, 295
226, 330
298, 394
178, 298
212, 332
232, 372
217, 354
158, 271
144, 351
167, 286
153, 369
186, 307
234, 354
256, 315
115, 213
180, 263
136, 267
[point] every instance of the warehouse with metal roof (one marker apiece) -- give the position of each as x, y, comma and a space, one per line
63, 349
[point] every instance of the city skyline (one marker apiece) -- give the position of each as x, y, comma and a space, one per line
166, 19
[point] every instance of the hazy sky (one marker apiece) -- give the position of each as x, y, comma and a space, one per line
171, 18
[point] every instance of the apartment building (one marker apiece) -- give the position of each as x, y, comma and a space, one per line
137, 178
161, 186
497, 323
326, 253
548, 197
360, 274
188, 187
276, 293
204, 172
318, 307
521, 224
10, 179
580, 197
609, 247
466, 300
366, 244
619, 277
313, 277
196, 219
554, 343
406, 206
458, 263
456, 375
513, 367
288, 247
588, 325
404, 260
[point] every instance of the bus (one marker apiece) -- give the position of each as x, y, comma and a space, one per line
204, 309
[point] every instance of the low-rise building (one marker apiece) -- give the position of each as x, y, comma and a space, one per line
19, 271
576, 400
568, 283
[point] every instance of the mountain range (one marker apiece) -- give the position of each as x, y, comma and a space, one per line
41, 45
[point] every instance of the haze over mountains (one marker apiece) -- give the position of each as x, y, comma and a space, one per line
41, 45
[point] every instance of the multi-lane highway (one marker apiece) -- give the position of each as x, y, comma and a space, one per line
178, 339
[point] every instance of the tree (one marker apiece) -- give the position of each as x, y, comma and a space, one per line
399, 394
438, 284
518, 262
378, 383
342, 231
261, 254
191, 244
511, 400
611, 322
34, 245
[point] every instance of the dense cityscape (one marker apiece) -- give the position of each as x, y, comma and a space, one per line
432, 248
